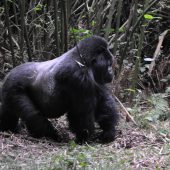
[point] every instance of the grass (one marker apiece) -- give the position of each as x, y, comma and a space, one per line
134, 148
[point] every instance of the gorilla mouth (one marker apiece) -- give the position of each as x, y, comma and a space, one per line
110, 75
110, 70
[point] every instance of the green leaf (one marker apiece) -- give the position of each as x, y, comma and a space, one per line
122, 29
131, 90
93, 23
148, 17
73, 30
110, 30
38, 7
83, 164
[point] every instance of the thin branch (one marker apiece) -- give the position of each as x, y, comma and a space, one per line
157, 51
128, 116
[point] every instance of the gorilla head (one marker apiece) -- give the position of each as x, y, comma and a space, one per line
72, 84
97, 56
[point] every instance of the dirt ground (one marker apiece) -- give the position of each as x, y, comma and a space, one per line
142, 149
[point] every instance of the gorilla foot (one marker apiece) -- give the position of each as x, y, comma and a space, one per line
82, 137
9, 123
39, 126
107, 137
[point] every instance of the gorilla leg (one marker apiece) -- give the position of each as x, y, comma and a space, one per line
81, 117
82, 125
8, 120
107, 116
81, 112
37, 125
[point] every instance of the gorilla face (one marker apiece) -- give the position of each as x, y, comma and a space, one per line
98, 57
102, 67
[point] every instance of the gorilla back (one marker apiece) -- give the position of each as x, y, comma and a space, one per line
73, 83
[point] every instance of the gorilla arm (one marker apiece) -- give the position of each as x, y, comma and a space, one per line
106, 114
82, 104
81, 120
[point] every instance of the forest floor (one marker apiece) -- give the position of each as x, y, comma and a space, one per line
134, 148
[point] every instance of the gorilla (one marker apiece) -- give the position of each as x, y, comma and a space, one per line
73, 84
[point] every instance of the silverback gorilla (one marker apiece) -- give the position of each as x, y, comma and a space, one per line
72, 84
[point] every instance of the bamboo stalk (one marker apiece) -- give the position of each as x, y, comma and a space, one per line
56, 27
117, 26
9, 32
22, 10
65, 25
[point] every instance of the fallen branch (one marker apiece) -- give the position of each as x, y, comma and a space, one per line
157, 51
128, 116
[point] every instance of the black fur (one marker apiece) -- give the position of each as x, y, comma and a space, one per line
73, 83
